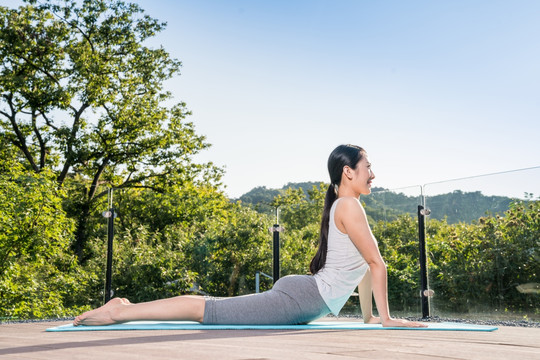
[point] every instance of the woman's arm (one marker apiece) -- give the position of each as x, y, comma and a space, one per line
365, 295
351, 219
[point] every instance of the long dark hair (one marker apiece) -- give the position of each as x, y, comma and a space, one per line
343, 155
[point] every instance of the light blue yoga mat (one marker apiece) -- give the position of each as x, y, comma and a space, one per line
318, 325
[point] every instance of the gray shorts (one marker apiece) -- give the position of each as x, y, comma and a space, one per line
294, 299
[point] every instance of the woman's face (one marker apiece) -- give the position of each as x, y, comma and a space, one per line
363, 175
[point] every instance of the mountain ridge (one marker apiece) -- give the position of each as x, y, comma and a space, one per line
383, 204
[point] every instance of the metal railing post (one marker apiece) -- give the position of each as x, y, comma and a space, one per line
275, 274
424, 293
257, 282
110, 215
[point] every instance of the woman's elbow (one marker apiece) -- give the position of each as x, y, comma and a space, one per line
377, 264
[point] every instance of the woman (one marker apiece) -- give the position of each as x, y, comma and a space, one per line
348, 256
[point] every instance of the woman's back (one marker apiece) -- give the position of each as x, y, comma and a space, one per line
344, 267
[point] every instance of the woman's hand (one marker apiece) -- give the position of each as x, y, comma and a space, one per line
402, 323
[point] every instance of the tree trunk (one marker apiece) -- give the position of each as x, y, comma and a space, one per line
81, 234
233, 279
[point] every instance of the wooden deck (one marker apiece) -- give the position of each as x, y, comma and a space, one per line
30, 341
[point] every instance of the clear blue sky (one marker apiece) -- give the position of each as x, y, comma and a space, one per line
433, 90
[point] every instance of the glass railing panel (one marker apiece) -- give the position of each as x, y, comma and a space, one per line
187, 241
482, 243
483, 247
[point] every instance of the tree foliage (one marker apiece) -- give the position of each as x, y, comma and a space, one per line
32, 221
229, 253
482, 265
81, 94
37, 273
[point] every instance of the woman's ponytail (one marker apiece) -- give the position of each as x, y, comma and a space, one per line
319, 259
343, 155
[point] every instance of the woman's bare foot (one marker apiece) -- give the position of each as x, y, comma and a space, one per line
373, 320
104, 315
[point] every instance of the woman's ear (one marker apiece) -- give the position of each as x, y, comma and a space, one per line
347, 171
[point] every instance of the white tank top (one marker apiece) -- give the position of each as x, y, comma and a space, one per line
344, 269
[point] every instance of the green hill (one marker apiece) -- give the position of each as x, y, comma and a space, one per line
385, 205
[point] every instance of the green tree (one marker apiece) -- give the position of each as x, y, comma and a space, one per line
298, 246
81, 94
37, 274
398, 243
298, 209
188, 207
230, 251
480, 266
32, 222
300, 215
147, 265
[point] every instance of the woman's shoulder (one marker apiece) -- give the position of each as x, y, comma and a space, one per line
348, 210
349, 202
348, 205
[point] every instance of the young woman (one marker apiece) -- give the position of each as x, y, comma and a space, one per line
347, 257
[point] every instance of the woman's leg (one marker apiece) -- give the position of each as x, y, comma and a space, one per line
293, 299
187, 307
365, 294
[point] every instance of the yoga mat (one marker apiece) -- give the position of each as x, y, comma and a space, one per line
328, 325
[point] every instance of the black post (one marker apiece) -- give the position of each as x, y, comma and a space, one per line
423, 261
276, 229
110, 236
